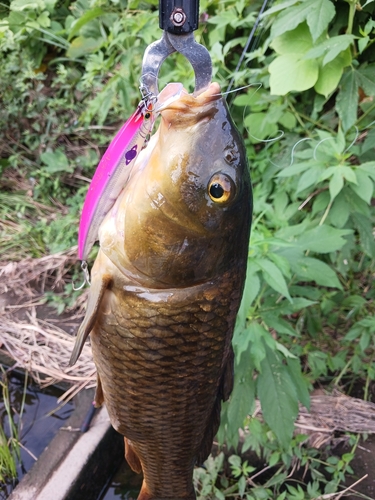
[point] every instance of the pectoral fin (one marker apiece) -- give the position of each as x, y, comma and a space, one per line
132, 457
98, 287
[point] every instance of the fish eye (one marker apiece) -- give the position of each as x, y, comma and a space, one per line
221, 188
147, 115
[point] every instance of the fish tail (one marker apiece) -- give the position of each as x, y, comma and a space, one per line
146, 495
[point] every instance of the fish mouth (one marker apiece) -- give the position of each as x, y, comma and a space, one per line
189, 107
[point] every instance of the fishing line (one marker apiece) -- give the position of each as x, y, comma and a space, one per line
294, 147
281, 133
353, 141
277, 138
245, 49
240, 88
319, 143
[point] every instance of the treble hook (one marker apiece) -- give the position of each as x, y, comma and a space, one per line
86, 274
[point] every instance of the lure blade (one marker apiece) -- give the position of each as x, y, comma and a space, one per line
115, 167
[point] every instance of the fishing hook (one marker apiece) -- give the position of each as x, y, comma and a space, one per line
86, 275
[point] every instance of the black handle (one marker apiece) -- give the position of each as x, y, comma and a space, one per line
178, 16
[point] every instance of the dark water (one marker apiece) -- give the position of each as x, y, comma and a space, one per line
37, 426
125, 485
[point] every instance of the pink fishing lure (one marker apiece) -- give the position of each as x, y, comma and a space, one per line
116, 164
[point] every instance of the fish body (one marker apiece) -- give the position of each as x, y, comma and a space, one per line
166, 287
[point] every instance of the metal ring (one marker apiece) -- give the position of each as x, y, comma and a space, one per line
195, 53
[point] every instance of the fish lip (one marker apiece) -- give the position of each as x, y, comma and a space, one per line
187, 104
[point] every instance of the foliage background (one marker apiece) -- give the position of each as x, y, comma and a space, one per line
69, 76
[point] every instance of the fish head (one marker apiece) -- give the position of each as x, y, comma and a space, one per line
185, 218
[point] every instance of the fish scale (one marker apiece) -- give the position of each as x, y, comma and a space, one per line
166, 288
125, 352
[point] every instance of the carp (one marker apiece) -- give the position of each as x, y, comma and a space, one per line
166, 287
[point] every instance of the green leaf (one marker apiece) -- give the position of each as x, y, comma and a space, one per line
242, 399
322, 13
280, 325
257, 335
81, 46
364, 187
278, 397
87, 16
274, 277
300, 383
365, 229
330, 75
56, 161
317, 13
347, 99
310, 269
323, 239
290, 74
369, 167
19, 5
278, 7
297, 41
330, 48
259, 127
251, 290
336, 184
309, 178
297, 168
366, 79
288, 120
340, 211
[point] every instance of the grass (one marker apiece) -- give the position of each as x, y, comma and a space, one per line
10, 448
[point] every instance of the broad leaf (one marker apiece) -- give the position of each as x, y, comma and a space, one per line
274, 277
310, 269
278, 397
309, 178
242, 398
365, 230
251, 290
300, 383
322, 13
347, 99
87, 16
340, 211
81, 46
364, 187
323, 239
366, 77
297, 41
330, 48
317, 13
56, 161
330, 75
336, 184
290, 74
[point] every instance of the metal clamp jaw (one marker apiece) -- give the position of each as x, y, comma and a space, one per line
178, 19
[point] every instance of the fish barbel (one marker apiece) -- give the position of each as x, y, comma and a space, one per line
166, 288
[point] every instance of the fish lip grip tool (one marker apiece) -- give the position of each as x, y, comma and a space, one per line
178, 19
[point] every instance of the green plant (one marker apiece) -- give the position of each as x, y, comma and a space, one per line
307, 119
10, 454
